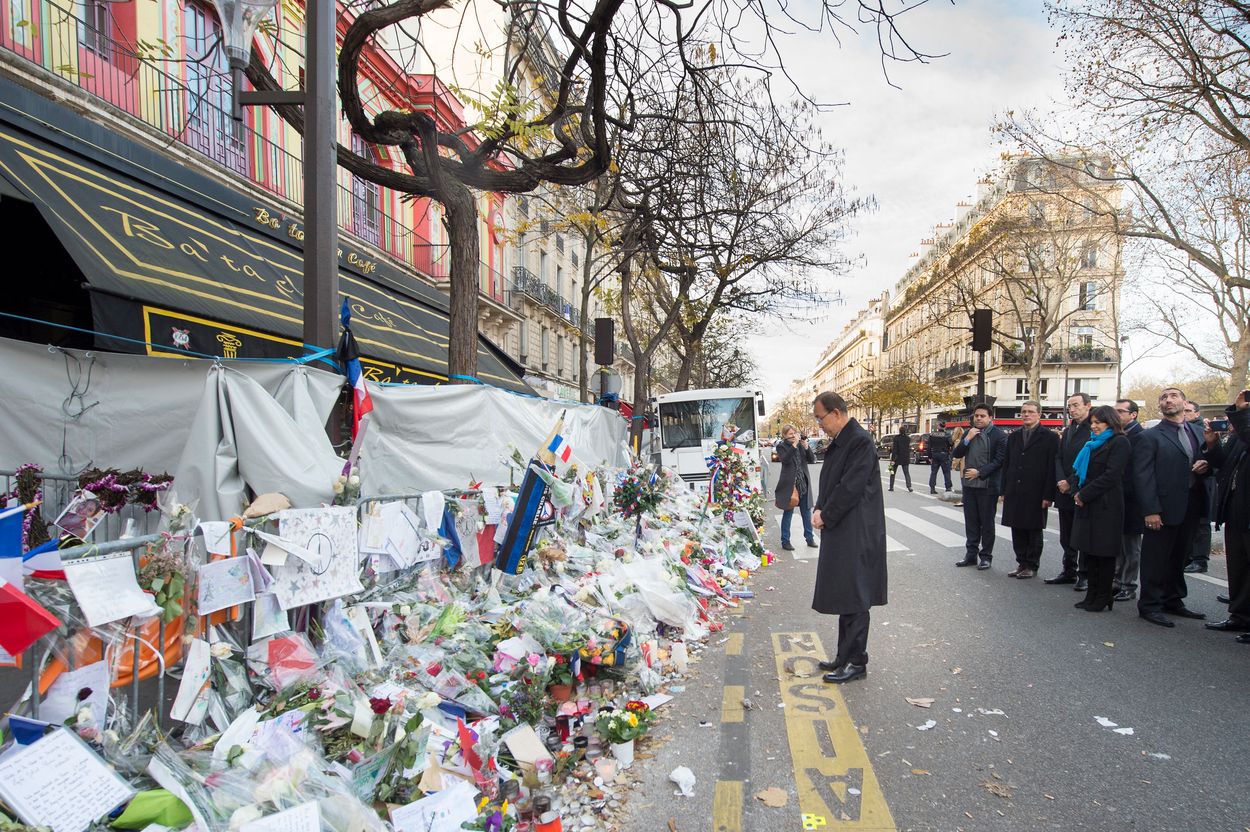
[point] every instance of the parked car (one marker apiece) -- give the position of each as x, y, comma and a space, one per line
819, 446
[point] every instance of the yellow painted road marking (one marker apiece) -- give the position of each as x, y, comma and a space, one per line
837, 786
731, 706
733, 647
727, 806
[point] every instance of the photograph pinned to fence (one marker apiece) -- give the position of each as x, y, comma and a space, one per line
81, 516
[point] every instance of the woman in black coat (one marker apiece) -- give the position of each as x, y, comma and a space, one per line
794, 456
900, 457
1098, 488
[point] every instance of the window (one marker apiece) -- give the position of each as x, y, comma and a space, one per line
559, 287
210, 128
560, 355
1089, 257
524, 338
95, 27
523, 206
546, 348
542, 267
560, 243
1084, 385
1087, 296
1022, 389
1083, 337
1037, 212
366, 198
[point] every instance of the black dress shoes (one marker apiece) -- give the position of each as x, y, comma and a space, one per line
983, 564
829, 667
1157, 618
1062, 578
813, 544
787, 547
1082, 585
966, 562
1186, 612
1244, 638
1229, 625
1223, 599
848, 673
1196, 567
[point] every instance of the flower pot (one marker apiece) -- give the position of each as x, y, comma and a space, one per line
560, 693
624, 753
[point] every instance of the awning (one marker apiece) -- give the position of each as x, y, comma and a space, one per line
191, 265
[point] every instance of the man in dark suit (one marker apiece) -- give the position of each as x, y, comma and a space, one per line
1232, 510
1074, 437
983, 449
939, 459
1128, 561
1169, 466
1028, 488
850, 513
1199, 555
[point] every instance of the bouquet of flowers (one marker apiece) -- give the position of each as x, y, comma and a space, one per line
622, 726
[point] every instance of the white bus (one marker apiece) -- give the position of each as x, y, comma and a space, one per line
690, 424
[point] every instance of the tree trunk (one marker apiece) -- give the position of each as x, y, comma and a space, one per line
1035, 373
1241, 365
464, 279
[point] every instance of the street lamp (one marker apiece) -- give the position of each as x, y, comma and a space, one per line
239, 20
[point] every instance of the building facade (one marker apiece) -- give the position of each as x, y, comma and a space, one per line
853, 360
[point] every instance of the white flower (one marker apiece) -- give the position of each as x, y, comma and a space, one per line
428, 700
354, 482
338, 486
220, 650
84, 716
245, 815
405, 610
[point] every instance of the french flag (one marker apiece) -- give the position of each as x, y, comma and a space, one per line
560, 447
349, 355
44, 561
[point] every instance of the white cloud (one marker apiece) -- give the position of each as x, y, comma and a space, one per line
919, 148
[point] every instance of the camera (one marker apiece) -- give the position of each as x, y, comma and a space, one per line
1218, 425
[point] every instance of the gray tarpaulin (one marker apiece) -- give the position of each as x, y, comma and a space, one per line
424, 438
244, 437
68, 410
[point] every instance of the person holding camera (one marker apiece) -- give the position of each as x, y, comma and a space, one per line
1232, 510
794, 485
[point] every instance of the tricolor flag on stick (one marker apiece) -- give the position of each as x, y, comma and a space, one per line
349, 357
44, 561
560, 448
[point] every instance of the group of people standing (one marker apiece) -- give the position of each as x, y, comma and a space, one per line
1131, 501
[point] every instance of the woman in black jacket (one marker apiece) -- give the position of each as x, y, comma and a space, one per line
795, 456
1098, 485
900, 457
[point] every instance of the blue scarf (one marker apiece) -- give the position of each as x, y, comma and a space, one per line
1081, 466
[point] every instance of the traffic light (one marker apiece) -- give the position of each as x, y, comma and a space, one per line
982, 323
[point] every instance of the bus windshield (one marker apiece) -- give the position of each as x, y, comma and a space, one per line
687, 424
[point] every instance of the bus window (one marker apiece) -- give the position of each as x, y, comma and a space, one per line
687, 424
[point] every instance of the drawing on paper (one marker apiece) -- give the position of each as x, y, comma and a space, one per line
329, 536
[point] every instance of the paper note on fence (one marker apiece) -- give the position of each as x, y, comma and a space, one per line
61, 701
106, 589
217, 536
268, 617
225, 583
305, 817
192, 701
329, 536
60, 783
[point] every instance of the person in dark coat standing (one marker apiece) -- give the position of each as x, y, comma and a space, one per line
900, 456
1097, 486
1169, 467
1129, 560
1074, 437
939, 459
850, 513
795, 455
983, 450
1199, 556
1028, 488
1232, 511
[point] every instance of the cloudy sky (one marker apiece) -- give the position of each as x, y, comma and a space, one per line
918, 148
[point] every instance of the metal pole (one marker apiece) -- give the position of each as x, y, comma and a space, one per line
981, 377
321, 262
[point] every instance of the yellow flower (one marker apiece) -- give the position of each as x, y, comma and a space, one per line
633, 720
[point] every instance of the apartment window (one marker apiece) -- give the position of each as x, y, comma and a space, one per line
1089, 257
366, 198
523, 206
1088, 386
1037, 212
544, 226
1083, 337
542, 267
95, 27
560, 243
546, 348
210, 128
524, 337
1087, 296
1023, 392
560, 355
560, 281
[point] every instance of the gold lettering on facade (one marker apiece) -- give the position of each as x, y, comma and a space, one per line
250, 272
230, 344
263, 217
223, 258
194, 249
286, 286
132, 226
374, 374
295, 232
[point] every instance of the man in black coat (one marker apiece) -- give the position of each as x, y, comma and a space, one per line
939, 459
1169, 466
1028, 488
850, 513
1074, 437
1128, 561
983, 449
1232, 510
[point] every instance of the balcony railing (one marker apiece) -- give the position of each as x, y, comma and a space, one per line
528, 283
955, 370
1070, 355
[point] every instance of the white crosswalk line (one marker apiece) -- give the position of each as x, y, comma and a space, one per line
935, 533
1001, 532
892, 545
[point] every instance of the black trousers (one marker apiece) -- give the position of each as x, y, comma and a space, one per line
943, 462
1071, 558
1027, 544
852, 638
906, 469
1163, 554
1237, 553
980, 509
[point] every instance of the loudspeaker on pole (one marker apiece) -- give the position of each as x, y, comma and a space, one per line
605, 342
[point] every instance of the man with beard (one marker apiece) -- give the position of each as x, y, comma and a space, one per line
1074, 437
1028, 488
1169, 469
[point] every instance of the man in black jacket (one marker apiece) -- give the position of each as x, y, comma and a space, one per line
1169, 466
983, 450
939, 459
1074, 437
1128, 562
1028, 488
1232, 510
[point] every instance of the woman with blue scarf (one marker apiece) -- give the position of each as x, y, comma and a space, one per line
1098, 483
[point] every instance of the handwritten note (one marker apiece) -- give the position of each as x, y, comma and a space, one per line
224, 584
446, 809
106, 589
490, 502
268, 617
60, 783
305, 817
61, 701
192, 702
216, 536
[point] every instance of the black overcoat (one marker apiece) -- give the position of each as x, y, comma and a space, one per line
1098, 525
794, 461
851, 572
1161, 472
1029, 478
1074, 437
